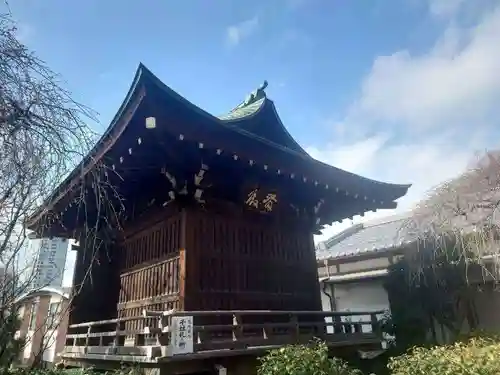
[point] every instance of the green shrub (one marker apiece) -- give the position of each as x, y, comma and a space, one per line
478, 356
303, 360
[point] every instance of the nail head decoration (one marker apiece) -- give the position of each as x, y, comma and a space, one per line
150, 123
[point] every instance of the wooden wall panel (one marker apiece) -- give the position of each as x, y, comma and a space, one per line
200, 260
149, 276
239, 262
152, 244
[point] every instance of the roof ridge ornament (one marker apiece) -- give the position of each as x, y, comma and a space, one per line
254, 96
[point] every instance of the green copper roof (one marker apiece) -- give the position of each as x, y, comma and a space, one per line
243, 111
257, 115
250, 105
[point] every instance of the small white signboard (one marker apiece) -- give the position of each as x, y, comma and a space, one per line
181, 335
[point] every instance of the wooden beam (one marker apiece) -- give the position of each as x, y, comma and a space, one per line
182, 278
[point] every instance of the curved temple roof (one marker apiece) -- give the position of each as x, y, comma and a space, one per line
258, 115
255, 122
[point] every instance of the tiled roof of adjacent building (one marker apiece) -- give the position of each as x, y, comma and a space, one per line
367, 237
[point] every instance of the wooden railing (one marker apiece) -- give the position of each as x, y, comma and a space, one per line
154, 287
215, 332
158, 279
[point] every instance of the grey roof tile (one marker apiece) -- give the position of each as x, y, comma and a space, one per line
364, 238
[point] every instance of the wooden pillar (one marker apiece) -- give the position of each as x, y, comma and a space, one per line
182, 261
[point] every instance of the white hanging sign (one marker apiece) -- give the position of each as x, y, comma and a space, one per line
181, 335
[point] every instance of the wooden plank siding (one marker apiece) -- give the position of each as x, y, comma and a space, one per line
237, 262
191, 259
154, 243
149, 276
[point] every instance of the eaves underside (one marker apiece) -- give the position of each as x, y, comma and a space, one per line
144, 78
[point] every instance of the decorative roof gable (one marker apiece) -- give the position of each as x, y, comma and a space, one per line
258, 116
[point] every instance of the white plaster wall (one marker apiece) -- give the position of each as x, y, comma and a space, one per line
50, 346
51, 335
27, 346
55, 298
360, 296
325, 303
367, 264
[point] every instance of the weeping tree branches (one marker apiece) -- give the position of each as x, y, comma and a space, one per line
462, 213
44, 134
433, 305
455, 253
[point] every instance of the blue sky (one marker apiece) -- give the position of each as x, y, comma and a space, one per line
399, 90
312, 52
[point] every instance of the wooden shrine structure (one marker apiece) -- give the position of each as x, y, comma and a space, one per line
181, 213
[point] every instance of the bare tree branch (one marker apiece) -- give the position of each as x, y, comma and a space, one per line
462, 213
44, 134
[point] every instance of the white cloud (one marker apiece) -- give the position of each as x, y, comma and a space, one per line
456, 80
420, 118
236, 33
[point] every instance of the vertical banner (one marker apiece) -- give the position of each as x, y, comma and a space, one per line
181, 335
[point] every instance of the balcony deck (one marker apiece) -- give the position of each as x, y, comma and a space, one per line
215, 334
